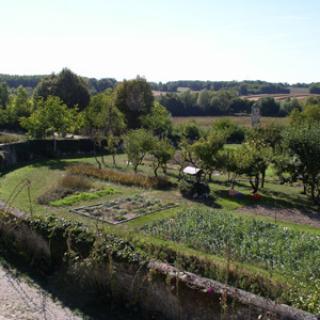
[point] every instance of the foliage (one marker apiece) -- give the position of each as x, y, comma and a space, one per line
135, 99
204, 151
194, 189
288, 105
162, 152
82, 196
205, 103
268, 106
51, 116
303, 142
4, 94
18, 105
137, 144
67, 185
242, 87
104, 122
315, 88
158, 121
70, 88
234, 133
76, 183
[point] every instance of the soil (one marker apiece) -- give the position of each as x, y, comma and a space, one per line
22, 299
300, 216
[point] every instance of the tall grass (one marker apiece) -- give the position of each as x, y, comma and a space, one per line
125, 178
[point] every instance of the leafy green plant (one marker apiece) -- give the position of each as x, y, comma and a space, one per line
83, 196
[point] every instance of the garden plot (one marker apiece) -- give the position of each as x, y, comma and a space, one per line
123, 209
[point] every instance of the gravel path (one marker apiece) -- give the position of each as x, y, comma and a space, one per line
24, 300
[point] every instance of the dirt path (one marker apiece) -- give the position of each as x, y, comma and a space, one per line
24, 300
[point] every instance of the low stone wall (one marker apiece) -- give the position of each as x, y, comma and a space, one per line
27, 151
160, 290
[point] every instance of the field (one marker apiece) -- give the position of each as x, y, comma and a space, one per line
206, 122
227, 232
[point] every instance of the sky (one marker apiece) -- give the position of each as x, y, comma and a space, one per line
163, 40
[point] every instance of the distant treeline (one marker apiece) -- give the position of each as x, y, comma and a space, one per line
94, 85
223, 102
240, 87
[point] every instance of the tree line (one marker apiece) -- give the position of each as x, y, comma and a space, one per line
242, 88
223, 102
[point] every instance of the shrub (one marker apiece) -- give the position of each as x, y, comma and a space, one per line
75, 182
83, 196
193, 189
125, 178
67, 185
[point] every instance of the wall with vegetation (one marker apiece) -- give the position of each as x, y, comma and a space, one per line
101, 262
21, 152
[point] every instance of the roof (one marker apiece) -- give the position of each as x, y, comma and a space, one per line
191, 170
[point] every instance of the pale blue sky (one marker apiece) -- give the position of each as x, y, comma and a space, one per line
163, 39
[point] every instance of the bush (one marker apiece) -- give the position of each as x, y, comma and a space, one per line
125, 178
75, 182
83, 196
67, 185
194, 190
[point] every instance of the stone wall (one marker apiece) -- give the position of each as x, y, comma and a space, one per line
23, 152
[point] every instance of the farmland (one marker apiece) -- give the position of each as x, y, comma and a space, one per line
206, 122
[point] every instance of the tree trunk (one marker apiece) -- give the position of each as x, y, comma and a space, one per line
114, 160
255, 184
263, 176
156, 169
95, 155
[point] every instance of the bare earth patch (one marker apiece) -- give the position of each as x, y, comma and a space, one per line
294, 215
24, 300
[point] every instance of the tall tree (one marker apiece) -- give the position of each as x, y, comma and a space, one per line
135, 99
4, 94
158, 121
137, 144
104, 122
69, 87
51, 118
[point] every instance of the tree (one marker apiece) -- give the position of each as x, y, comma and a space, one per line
19, 105
288, 105
303, 142
162, 152
51, 117
233, 132
135, 99
104, 122
315, 88
205, 151
255, 161
4, 94
137, 144
70, 88
268, 106
158, 121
